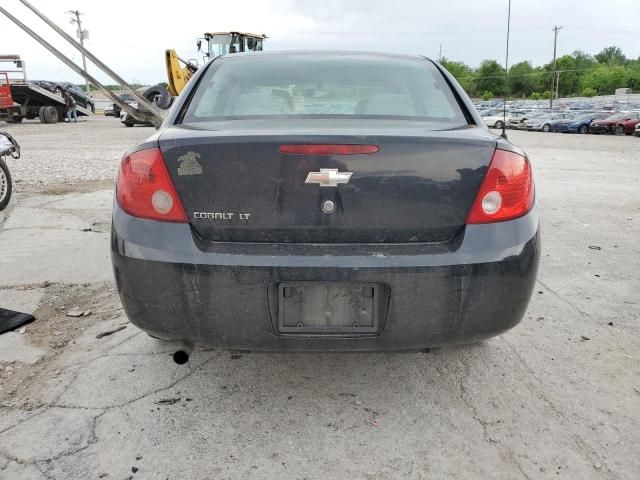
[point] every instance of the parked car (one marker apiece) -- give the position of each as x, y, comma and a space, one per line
578, 124
518, 122
76, 92
324, 201
627, 125
637, 130
128, 121
515, 119
494, 118
126, 98
543, 123
613, 124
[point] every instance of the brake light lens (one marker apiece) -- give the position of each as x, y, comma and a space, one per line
144, 188
507, 191
328, 149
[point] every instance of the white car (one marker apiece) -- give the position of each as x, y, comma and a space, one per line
494, 118
128, 120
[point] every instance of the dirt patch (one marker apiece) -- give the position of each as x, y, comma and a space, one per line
54, 331
66, 188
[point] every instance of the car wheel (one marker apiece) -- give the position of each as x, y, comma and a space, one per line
619, 130
58, 91
498, 125
5, 185
546, 127
128, 124
159, 96
583, 129
15, 119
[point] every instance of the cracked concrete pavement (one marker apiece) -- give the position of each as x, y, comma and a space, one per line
538, 402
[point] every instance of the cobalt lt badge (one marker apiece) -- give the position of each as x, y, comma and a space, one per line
189, 164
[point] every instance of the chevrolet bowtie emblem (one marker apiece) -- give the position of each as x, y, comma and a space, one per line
328, 177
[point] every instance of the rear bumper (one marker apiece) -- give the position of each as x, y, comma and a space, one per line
224, 295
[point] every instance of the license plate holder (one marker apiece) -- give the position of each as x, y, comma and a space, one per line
328, 308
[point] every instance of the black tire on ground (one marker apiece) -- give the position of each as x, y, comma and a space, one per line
128, 124
41, 114
498, 125
619, 130
15, 119
159, 95
583, 129
50, 115
5, 185
546, 127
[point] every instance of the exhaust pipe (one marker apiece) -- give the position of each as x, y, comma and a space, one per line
182, 354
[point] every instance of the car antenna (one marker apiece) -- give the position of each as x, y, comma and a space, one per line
506, 77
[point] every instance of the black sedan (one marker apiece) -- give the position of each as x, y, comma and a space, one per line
324, 201
76, 92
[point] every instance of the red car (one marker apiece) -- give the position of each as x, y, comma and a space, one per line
619, 123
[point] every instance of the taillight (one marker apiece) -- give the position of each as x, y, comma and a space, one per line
144, 188
328, 149
506, 191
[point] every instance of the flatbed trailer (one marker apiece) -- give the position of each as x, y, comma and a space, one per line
30, 100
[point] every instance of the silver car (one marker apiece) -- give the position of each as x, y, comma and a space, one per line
543, 123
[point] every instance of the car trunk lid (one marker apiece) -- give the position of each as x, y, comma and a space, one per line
237, 186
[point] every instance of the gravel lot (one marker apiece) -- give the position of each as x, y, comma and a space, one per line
556, 397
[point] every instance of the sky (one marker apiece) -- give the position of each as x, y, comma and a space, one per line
131, 36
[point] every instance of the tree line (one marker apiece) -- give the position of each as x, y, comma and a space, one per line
580, 74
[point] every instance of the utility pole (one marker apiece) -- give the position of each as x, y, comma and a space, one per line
556, 29
82, 35
506, 75
440, 54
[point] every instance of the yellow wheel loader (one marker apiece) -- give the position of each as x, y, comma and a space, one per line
179, 71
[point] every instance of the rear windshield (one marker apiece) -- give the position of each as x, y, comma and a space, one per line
323, 85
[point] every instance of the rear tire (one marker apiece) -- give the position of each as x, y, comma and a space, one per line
619, 130
15, 119
50, 115
159, 96
498, 125
583, 129
5, 185
128, 124
546, 128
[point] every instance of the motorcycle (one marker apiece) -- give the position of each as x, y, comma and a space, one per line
8, 147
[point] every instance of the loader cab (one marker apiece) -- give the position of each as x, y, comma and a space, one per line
223, 43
